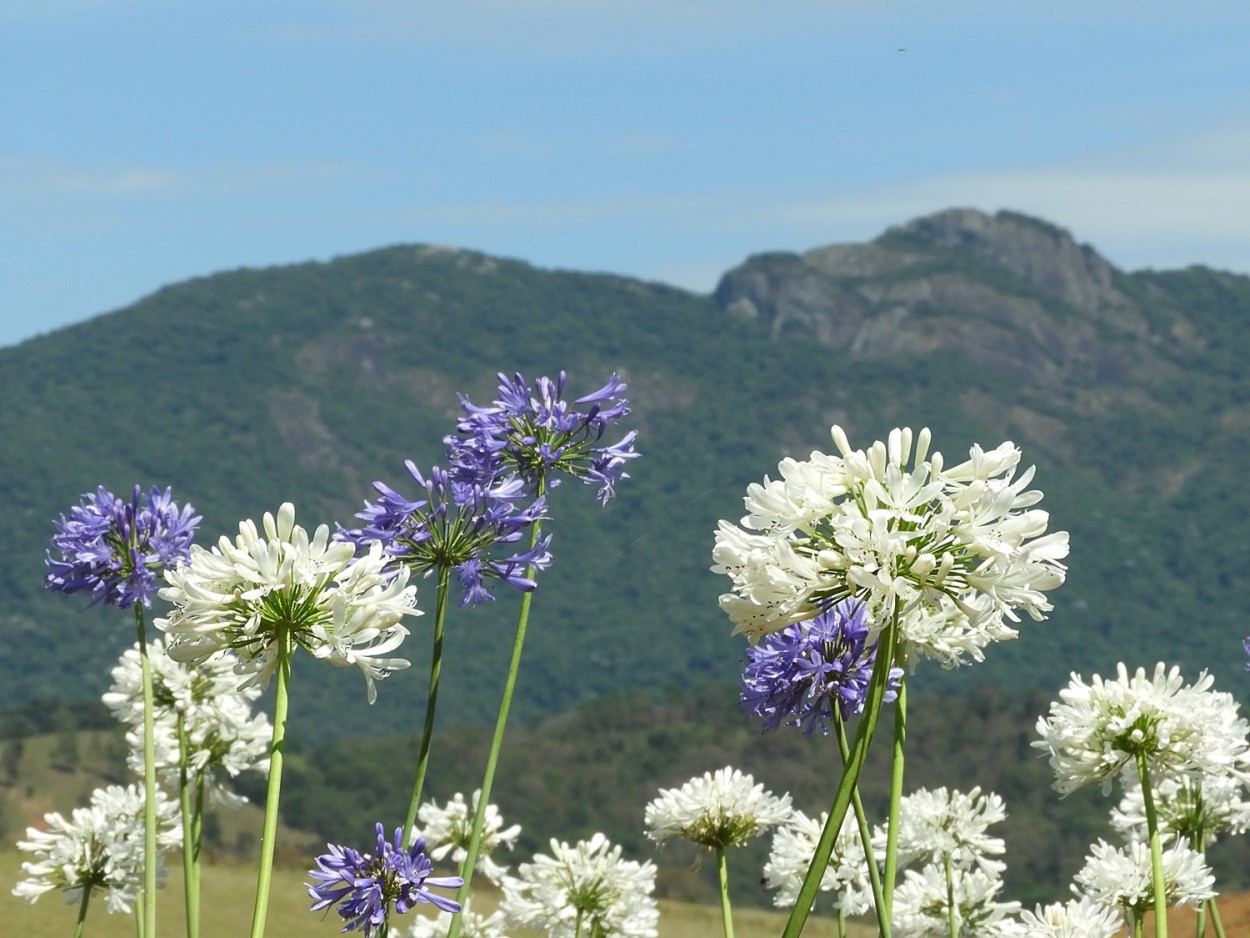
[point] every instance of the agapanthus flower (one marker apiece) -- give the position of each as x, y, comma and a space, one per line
588, 885
246, 595
1096, 731
922, 904
472, 925
1122, 878
99, 847
951, 552
367, 887
1076, 918
846, 875
535, 433
116, 550
1195, 810
220, 731
719, 809
456, 526
936, 824
448, 829
794, 677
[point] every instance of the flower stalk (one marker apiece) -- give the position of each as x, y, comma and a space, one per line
726, 911
283, 643
149, 779
431, 704
1156, 848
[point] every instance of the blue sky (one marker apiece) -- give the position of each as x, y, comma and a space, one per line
143, 142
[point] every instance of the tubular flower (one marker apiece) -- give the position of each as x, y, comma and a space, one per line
721, 809
846, 875
935, 824
247, 594
1122, 878
447, 831
535, 433
116, 549
795, 677
455, 525
950, 551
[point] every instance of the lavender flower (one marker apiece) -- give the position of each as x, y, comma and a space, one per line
792, 677
365, 886
455, 525
117, 549
534, 432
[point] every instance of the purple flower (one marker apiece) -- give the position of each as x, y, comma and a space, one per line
454, 526
366, 886
534, 432
792, 677
116, 550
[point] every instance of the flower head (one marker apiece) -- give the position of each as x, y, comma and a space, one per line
116, 549
455, 526
721, 809
1196, 810
950, 551
922, 904
936, 825
366, 887
795, 677
587, 884
448, 830
472, 925
1123, 878
535, 433
846, 874
99, 847
1077, 918
252, 593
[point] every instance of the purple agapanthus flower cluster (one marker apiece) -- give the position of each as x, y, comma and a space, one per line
366, 886
455, 526
537, 434
794, 676
116, 550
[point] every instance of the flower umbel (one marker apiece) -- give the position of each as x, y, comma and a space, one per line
795, 677
366, 887
846, 875
1122, 878
447, 831
116, 550
721, 809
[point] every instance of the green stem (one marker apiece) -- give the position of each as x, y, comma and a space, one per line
890, 876
865, 832
431, 703
82, 912
841, 922
1215, 918
846, 785
576, 934
269, 832
149, 780
496, 742
952, 913
726, 912
1139, 925
1156, 850
191, 802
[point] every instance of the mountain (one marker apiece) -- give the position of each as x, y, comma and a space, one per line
1129, 391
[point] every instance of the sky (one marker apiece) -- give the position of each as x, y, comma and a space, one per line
144, 142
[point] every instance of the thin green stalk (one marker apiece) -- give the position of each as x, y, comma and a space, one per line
269, 832
841, 922
1201, 920
1215, 918
726, 911
952, 913
496, 742
1156, 850
865, 832
846, 785
890, 876
82, 912
149, 780
1139, 925
191, 802
431, 703
576, 934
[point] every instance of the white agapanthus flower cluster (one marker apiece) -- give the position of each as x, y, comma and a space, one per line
953, 551
447, 831
1077, 918
719, 809
1096, 731
220, 729
1195, 810
586, 885
846, 876
472, 925
922, 904
1122, 878
99, 848
248, 595
936, 824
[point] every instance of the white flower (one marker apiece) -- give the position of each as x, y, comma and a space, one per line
1096, 731
936, 824
1077, 918
246, 594
472, 925
448, 830
1123, 878
921, 904
794, 846
952, 551
721, 809
98, 848
1197, 810
588, 884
